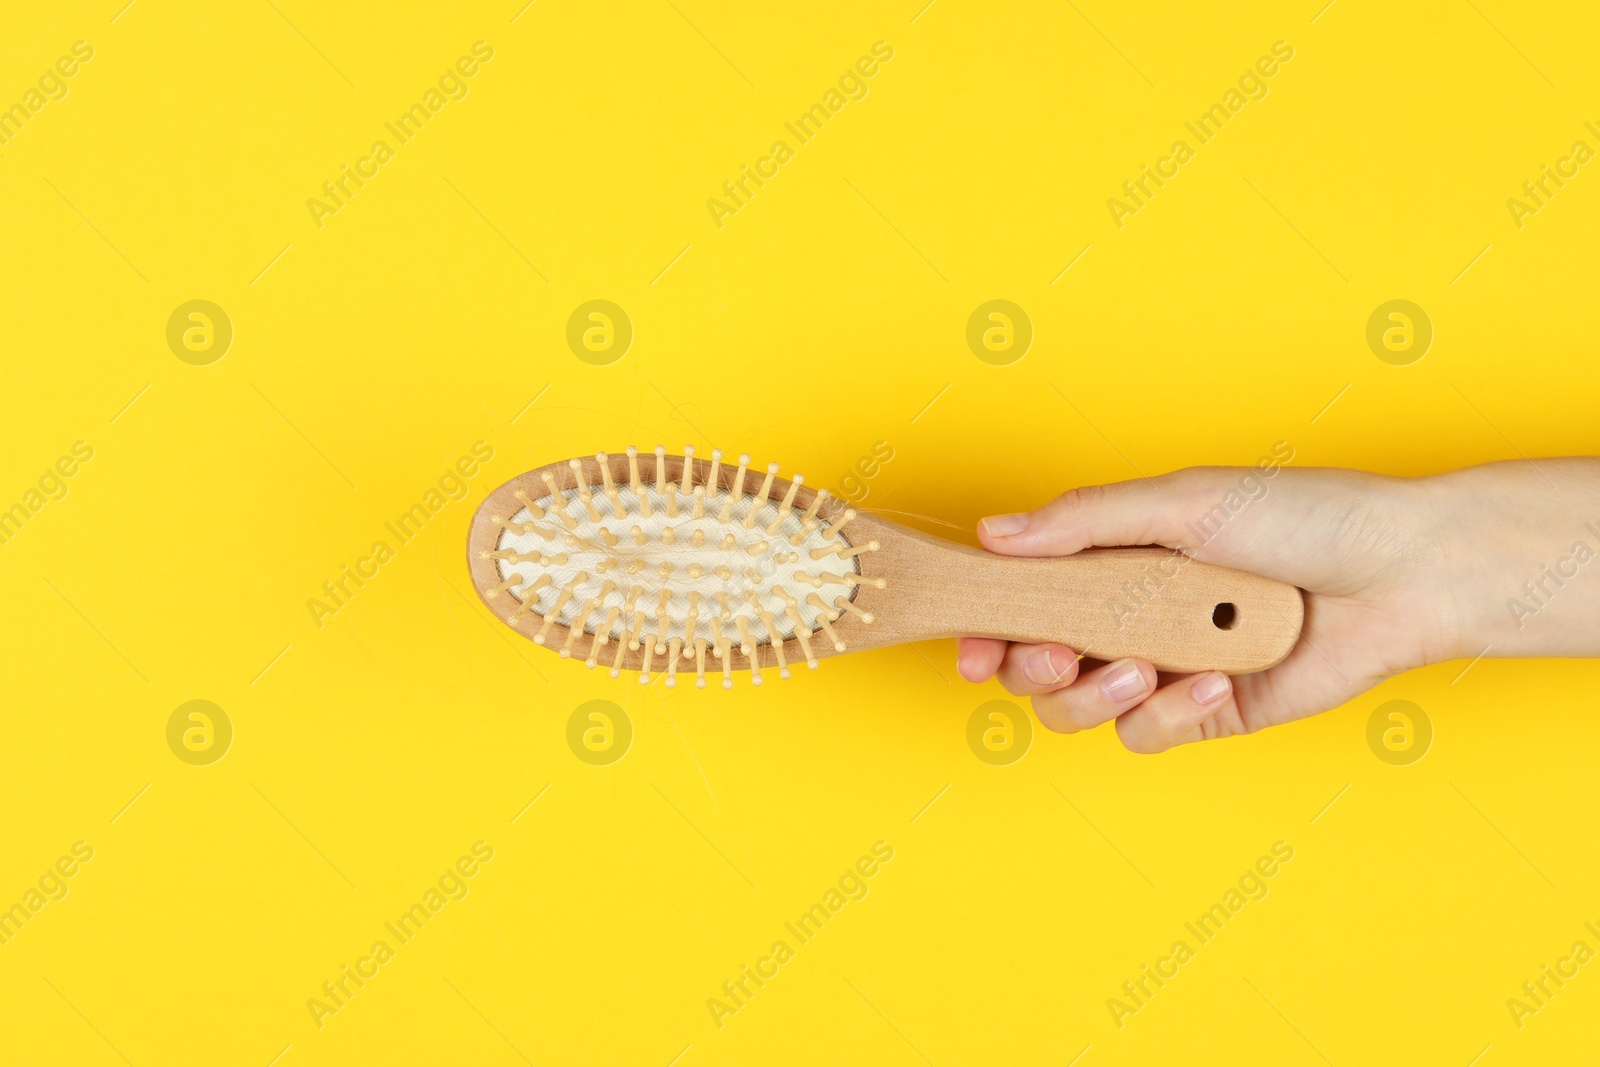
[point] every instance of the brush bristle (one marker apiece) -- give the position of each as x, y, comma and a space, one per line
686, 569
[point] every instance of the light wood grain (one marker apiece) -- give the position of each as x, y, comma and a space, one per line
1147, 603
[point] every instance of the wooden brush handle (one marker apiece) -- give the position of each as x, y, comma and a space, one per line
1147, 603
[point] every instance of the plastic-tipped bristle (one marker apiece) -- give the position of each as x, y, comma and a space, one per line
713, 476
510, 583
735, 492
761, 497
788, 502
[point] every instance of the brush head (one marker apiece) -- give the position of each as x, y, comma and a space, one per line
657, 562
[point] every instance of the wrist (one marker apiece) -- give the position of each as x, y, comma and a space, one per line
1519, 558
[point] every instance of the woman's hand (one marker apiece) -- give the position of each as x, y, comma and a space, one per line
1398, 573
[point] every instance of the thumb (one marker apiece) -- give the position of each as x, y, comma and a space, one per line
1149, 511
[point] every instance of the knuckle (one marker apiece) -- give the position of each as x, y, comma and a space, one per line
1080, 499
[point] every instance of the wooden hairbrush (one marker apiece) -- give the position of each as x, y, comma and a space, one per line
689, 565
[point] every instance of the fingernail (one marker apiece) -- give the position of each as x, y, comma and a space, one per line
1124, 683
1004, 525
1043, 668
1209, 688
967, 665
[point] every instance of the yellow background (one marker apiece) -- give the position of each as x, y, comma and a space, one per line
824, 317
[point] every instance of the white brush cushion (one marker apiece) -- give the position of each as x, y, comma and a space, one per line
585, 552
